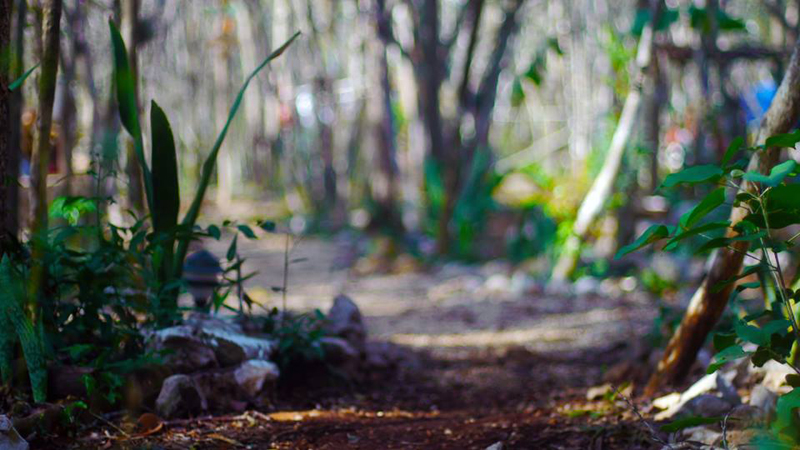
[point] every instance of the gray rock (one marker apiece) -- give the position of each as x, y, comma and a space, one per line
703, 434
194, 343
338, 350
706, 405
745, 416
252, 375
714, 382
344, 320
496, 446
587, 286
763, 398
178, 396
9, 438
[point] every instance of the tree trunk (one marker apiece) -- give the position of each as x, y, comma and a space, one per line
40, 160
707, 306
130, 25
601, 189
15, 121
6, 172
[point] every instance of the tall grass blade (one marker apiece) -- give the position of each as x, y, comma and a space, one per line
208, 166
167, 197
128, 110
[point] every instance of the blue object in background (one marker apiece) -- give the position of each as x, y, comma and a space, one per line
756, 100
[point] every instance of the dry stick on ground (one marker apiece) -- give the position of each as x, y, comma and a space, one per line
601, 188
707, 305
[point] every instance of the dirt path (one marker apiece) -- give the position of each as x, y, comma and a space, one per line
483, 362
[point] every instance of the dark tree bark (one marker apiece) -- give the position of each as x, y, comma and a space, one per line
706, 305
15, 120
6, 173
430, 58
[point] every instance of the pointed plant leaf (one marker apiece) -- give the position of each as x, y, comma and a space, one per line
652, 234
687, 422
711, 226
709, 203
125, 83
247, 231
733, 148
730, 353
232, 249
208, 166
788, 140
693, 175
776, 175
165, 172
167, 198
18, 82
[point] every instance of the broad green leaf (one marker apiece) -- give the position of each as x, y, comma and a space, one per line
167, 198
18, 82
788, 140
693, 175
785, 415
688, 422
214, 232
211, 160
723, 341
782, 205
247, 231
776, 175
731, 353
232, 249
735, 146
711, 226
167, 202
709, 203
652, 234
128, 110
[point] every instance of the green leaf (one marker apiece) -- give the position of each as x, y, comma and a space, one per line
785, 415
749, 270
711, 226
733, 148
214, 231
210, 162
247, 231
167, 202
726, 241
709, 203
693, 175
688, 422
776, 175
788, 140
18, 82
232, 249
782, 205
724, 340
730, 353
652, 234
128, 110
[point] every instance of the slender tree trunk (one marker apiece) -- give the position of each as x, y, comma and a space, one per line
15, 121
707, 306
47, 88
130, 25
225, 170
601, 189
7, 231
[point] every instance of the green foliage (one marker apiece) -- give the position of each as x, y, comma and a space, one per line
773, 203
688, 422
18, 82
299, 337
11, 308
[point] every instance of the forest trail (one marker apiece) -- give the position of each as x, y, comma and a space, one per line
480, 364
